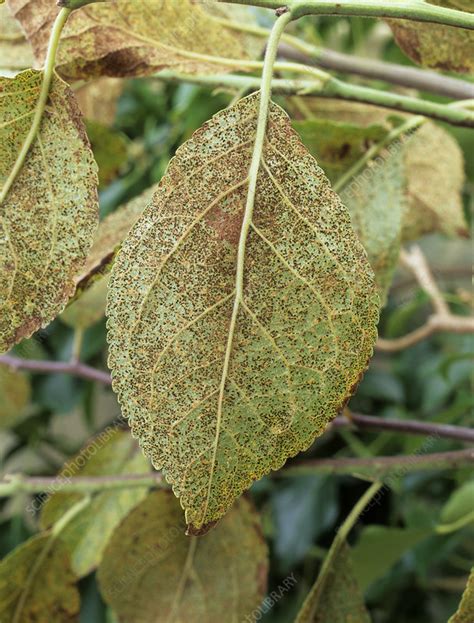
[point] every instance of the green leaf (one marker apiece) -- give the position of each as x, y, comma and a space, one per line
437, 46
131, 38
435, 172
458, 511
14, 395
217, 404
369, 565
376, 202
15, 51
37, 584
89, 307
152, 572
50, 213
465, 612
339, 598
111, 453
336, 145
110, 149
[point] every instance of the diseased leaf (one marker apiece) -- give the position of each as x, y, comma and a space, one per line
336, 145
15, 52
465, 612
50, 214
86, 536
37, 584
98, 99
123, 38
217, 405
353, 113
89, 306
14, 395
376, 202
435, 176
152, 572
437, 46
337, 600
110, 148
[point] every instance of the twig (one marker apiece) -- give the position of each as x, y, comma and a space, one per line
383, 465
441, 320
75, 368
414, 427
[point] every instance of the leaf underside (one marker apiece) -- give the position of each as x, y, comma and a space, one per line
122, 38
49, 216
152, 572
465, 612
305, 326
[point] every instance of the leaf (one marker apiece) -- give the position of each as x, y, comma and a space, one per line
458, 511
89, 307
37, 584
86, 536
377, 205
369, 565
152, 572
130, 38
437, 46
15, 51
337, 144
304, 330
435, 174
97, 99
14, 395
465, 612
110, 148
50, 214
339, 599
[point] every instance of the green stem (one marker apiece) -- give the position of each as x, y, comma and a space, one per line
313, 600
330, 87
416, 10
41, 103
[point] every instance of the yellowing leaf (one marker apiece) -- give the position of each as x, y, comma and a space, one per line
98, 99
376, 202
48, 218
437, 46
15, 51
152, 572
14, 395
338, 599
89, 306
86, 536
37, 584
110, 148
465, 612
435, 176
217, 404
123, 38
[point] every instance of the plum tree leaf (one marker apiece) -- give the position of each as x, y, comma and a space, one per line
15, 52
434, 168
465, 612
218, 403
110, 148
14, 395
49, 215
377, 204
123, 38
37, 583
152, 572
114, 452
339, 599
97, 99
437, 46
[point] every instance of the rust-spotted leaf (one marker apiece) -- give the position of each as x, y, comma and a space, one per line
37, 584
435, 45
218, 403
123, 38
49, 215
465, 612
152, 572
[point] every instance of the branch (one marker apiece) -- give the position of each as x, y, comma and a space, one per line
412, 77
441, 320
385, 465
74, 368
326, 86
416, 10
413, 427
